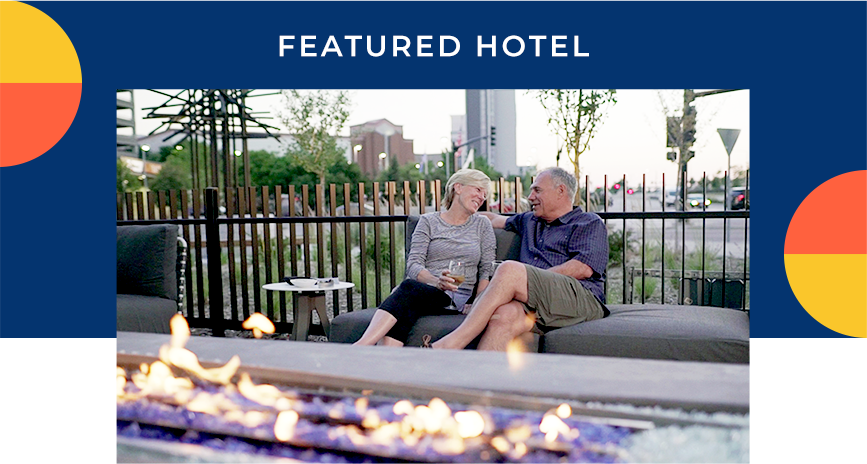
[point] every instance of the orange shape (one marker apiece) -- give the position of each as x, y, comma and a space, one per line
832, 219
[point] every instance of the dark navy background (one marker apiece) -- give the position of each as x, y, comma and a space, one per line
804, 63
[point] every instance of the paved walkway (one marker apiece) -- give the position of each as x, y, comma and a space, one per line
674, 384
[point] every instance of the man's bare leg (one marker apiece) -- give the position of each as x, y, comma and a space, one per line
381, 323
509, 283
508, 322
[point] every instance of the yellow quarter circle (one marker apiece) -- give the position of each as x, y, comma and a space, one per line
832, 288
34, 48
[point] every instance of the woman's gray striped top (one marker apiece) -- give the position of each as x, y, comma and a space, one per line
436, 242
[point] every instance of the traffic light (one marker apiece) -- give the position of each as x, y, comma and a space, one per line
689, 114
688, 155
493, 136
671, 156
672, 138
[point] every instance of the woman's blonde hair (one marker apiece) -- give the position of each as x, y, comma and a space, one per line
469, 177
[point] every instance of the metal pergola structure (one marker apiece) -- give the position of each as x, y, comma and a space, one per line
218, 124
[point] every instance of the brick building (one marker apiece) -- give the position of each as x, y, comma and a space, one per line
373, 138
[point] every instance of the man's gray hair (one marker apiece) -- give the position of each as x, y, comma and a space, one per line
563, 177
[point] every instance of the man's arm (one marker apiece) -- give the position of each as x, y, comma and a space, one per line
498, 221
573, 268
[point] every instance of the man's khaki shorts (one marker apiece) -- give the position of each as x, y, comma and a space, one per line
558, 300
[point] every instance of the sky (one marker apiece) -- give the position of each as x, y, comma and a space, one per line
630, 142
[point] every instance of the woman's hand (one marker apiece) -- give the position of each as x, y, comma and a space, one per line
446, 283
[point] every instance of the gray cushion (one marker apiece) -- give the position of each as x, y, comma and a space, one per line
685, 333
508, 245
348, 328
137, 313
147, 260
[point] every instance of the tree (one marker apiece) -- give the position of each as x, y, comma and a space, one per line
126, 180
482, 165
175, 173
267, 169
314, 118
575, 115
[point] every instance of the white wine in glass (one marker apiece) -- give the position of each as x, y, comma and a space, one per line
458, 273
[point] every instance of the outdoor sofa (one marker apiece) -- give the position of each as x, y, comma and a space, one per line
150, 279
648, 331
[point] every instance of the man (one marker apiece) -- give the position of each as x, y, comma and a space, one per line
559, 279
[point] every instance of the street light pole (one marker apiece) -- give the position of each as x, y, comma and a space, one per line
455, 151
144, 175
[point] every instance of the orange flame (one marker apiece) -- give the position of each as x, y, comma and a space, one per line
515, 354
266, 395
174, 354
284, 426
470, 423
433, 425
552, 426
258, 323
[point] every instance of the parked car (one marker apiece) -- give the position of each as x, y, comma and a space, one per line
695, 200
738, 199
670, 197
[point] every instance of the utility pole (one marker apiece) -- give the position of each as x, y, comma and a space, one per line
681, 135
686, 140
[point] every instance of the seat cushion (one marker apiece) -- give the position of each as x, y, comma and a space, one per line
349, 327
147, 260
673, 332
137, 313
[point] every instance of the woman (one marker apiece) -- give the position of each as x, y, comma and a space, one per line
440, 237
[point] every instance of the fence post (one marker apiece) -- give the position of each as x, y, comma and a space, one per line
215, 272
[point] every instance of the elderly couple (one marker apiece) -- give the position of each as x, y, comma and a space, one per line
558, 281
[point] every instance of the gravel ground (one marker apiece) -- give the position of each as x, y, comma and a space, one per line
329, 307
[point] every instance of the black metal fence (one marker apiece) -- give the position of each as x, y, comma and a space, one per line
242, 238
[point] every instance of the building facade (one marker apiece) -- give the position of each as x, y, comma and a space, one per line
376, 143
491, 124
126, 140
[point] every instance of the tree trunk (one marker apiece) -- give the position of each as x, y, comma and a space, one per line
577, 200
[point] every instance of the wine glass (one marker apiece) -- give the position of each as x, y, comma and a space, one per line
457, 271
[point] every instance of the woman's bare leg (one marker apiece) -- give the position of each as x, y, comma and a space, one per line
381, 323
388, 341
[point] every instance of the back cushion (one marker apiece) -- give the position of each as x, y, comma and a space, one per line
508, 245
146, 260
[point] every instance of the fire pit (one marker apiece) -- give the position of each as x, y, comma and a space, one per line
172, 402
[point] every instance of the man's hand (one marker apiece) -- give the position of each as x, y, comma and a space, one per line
573, 268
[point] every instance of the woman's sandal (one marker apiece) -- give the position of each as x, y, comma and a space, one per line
425, 341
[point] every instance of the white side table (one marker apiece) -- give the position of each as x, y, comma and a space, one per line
305, 301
